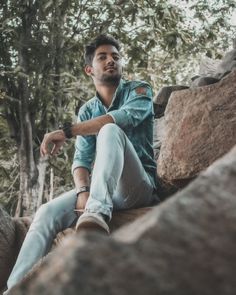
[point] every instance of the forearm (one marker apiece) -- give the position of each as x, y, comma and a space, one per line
58, 137
92, 126
81, 179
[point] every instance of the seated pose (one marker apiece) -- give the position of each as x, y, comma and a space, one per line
113, 165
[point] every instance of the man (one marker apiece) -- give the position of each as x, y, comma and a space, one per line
113, 148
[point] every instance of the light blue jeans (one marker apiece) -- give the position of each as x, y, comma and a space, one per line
118, 182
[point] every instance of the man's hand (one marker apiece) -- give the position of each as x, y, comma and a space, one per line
56, 138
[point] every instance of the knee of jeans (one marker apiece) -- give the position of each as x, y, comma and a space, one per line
45, 212
109, 130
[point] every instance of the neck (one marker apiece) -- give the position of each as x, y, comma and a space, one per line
106, 93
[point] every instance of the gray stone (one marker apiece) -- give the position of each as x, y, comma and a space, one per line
211, 71
208, 66
164, 189
160, 101
7, 250
184, 246
203, 81
22, 225
227, 64
234, 43
12, 234
158, 135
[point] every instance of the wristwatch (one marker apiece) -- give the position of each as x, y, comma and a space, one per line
83, 189
66, 127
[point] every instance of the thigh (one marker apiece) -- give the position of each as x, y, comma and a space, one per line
134, 188
60, 210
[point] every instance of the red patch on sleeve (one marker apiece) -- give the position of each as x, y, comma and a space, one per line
141, 90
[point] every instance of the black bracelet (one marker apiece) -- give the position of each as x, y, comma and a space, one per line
83, 189
67, 129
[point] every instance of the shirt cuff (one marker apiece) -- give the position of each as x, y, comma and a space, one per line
78, 164
119, 117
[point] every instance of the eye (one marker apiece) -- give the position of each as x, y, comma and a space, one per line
116, 57
102, 57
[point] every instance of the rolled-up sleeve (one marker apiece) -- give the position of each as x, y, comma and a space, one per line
84, 146
136, 109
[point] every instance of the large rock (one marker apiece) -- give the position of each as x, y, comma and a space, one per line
211, 71
158, 135
200, 126
227, 64
203, 81
12, 234
160, 101
22, 225
164, 188
184, 246
119, 219
7, 250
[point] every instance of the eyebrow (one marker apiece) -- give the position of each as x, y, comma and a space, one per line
103, 53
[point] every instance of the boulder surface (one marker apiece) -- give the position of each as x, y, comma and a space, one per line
200, 127
7, 249
184, 246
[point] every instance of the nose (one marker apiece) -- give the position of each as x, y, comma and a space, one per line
110, 60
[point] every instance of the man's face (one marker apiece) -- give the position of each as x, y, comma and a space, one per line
106, 65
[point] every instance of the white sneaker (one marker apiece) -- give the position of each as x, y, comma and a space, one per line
92, 221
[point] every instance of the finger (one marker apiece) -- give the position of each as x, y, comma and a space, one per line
43, 147
41, 150
55, 149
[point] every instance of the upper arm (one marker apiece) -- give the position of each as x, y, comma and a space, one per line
84, 145
136, 108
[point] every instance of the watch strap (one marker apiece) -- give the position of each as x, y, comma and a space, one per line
67, 129
83, 189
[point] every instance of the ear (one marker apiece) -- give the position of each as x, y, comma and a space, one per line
88, 70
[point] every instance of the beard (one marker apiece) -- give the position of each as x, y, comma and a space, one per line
111, 79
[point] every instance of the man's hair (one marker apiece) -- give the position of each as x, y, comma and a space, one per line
102, 39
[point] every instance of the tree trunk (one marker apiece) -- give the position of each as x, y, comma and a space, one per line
27, 201
24, 87
42, 166
32, 177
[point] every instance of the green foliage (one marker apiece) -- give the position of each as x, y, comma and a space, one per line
41, 44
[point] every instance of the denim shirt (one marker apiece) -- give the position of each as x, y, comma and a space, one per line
132, 110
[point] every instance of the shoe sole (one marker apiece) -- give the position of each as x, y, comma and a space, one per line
91, 226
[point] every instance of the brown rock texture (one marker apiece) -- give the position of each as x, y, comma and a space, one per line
200, 126
22, 225
184, 246
7, 251
158, 135
12, 234
227, 64
161, 99
119, 218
